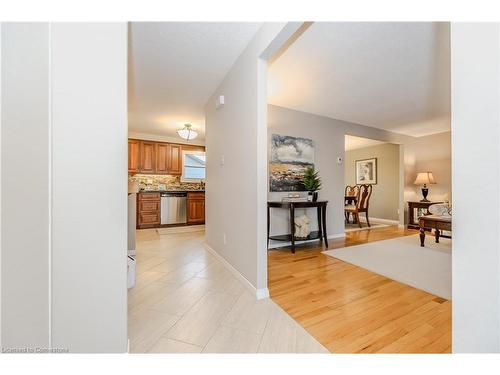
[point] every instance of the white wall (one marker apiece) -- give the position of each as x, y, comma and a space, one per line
89, 71
64, 194
475, 67
24, 185
236, 191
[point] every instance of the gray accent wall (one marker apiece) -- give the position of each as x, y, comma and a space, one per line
328, 135
384, 201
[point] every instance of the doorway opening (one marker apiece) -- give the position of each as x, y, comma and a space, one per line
372, 182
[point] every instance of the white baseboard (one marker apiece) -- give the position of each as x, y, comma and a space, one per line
262, 293
276, 244
259, 293
379, 220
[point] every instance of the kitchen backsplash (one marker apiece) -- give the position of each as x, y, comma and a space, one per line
170, 182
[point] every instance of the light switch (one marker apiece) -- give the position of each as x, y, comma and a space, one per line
222, 160
220, 102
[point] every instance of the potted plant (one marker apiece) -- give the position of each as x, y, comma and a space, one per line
312, 182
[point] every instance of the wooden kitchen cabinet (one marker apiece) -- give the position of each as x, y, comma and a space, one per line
152, 157
162, 158
174, 159
195, 208
134, 159
148, 157
148, 210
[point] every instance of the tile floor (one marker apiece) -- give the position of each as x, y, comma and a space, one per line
186, 301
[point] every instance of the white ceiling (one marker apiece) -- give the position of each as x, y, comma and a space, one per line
174, 67
353, 143
393, 76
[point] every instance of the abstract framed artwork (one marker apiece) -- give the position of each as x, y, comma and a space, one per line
290, 156
366, 171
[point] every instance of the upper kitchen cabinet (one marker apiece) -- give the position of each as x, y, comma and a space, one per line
174, 159
148, 157
134, 158
157, 157
168, 158
162, 164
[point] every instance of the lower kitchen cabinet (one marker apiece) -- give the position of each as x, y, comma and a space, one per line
148, 210
196, 208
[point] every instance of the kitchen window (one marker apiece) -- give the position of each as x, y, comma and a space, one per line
193, 166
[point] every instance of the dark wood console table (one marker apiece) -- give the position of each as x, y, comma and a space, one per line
291, 206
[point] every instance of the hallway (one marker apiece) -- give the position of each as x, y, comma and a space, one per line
185, 301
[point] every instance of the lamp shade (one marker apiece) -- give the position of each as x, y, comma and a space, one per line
187, 132
424, 178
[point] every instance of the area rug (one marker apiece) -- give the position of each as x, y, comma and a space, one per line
183, 229
350, 227
403, 259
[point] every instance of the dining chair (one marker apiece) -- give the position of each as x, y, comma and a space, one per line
350, 195
362, 203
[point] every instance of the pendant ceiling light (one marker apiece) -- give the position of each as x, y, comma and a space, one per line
187, 132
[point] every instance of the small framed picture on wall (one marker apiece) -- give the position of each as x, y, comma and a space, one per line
366, 171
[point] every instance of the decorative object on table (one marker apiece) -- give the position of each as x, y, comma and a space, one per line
290, 157
439, 209
424, 178
447, 202
362, 203
302, 226
443, 211
312, 183
366, 171
298, 199
294, 197
187, 132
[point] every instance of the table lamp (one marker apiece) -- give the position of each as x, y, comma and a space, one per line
424, 178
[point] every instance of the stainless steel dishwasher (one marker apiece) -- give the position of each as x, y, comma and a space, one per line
173, 208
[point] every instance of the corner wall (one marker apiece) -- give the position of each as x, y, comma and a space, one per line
63, 186
236, 159
89, 187
475, 68
25, 185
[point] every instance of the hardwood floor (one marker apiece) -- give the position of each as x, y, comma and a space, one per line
351, 310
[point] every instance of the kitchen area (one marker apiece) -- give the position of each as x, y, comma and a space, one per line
166, 189
168, 179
